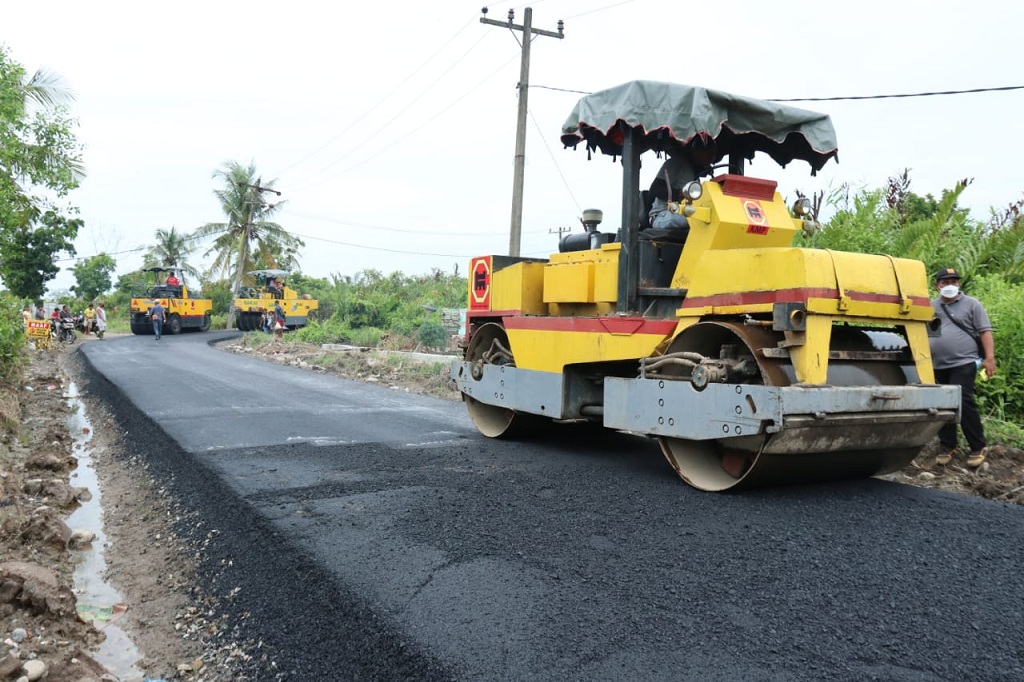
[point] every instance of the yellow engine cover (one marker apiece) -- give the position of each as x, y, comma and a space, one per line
829, 282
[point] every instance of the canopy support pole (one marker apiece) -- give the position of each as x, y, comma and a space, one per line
629, 256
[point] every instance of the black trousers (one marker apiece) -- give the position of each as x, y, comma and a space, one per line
970, 421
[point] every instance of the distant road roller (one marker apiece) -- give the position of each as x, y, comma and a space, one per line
751, 361
184, 311
255, 302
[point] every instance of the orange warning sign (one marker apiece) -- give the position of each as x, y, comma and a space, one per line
480, 283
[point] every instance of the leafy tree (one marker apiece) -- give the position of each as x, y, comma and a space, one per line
27, 252
40, 162
93, 276
248, 239
126, 282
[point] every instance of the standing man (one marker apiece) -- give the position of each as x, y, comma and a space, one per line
101, 319
90, 318
159, 315
279, 320
964, 345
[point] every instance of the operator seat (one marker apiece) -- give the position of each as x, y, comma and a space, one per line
646, 201
659, 190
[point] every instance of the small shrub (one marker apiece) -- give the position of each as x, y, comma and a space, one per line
328, 331
12, 339
1002, 396
432, 336
366, 336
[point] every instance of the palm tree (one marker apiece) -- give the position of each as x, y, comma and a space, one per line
171, 250
46, 90
248, 240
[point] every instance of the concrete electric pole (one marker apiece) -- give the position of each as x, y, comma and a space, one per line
516, 230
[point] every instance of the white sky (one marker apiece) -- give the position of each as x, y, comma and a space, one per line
390, 128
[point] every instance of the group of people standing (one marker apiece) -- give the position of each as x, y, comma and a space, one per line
94, 317
275, 321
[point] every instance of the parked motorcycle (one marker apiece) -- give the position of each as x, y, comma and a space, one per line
63, 331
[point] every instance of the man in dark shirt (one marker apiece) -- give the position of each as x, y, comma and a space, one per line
159, 315
964, 346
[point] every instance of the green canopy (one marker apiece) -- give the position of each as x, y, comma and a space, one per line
671, 117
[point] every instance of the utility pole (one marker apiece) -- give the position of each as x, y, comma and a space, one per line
516, 229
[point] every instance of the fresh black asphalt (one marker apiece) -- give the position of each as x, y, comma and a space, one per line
371, 534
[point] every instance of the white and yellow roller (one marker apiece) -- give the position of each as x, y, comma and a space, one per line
750, 360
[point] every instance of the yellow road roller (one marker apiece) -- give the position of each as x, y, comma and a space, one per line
255, 302
697, 322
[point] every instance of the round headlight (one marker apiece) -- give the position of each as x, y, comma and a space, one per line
802, 207
693, 191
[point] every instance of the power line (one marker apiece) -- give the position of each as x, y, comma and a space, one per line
840, 99
910, 94
380, 228
558, 168
413, 131
381, 248
347, 129
305, 183
599, 9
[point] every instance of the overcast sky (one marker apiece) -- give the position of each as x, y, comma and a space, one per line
389, 127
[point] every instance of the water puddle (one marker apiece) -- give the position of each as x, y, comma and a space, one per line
97, 599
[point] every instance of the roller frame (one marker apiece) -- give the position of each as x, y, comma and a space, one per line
522, 390
675, 409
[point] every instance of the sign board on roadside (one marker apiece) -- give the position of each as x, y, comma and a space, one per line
38, 329
454, 320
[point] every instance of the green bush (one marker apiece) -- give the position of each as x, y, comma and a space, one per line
1002, 396
398, 303
432, 335
334, 331
328, 331
12, 339
367, 336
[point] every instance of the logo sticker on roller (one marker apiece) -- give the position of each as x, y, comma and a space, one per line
757, 221
480, 283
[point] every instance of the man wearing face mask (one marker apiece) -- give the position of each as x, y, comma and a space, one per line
964, 346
